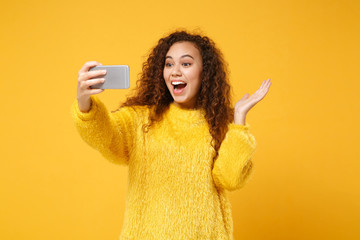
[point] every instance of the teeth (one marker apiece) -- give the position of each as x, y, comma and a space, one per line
177, 83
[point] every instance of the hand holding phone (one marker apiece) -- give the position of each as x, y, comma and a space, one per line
116, 77
85, 80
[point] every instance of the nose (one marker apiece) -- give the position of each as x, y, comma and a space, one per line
176, 70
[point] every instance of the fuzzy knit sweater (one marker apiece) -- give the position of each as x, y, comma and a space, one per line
175, 189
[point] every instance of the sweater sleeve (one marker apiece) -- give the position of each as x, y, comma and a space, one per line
109, 133
233, 165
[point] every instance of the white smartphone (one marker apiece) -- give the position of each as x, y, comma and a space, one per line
116, 77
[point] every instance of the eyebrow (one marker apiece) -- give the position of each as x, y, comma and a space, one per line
186, 55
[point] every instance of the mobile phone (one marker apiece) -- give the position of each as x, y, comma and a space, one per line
116, 77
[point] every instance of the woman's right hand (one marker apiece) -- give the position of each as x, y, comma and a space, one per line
85, 80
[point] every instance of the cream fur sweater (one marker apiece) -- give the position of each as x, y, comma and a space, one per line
175, 190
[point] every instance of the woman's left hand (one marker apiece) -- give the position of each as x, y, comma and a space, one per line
243, 106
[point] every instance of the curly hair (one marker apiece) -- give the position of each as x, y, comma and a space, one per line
214, 93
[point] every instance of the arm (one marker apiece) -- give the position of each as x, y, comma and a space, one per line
109, 133
233, 165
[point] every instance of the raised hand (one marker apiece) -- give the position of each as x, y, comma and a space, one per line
85, 80
243, 106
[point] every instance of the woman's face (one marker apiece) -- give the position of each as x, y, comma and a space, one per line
182, 73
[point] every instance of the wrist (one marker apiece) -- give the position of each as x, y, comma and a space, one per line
239, 119
85, 105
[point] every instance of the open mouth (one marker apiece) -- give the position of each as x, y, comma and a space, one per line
179, 86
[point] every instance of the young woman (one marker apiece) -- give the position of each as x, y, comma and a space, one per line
183, 142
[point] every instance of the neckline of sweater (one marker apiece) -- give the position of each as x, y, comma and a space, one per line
186, 114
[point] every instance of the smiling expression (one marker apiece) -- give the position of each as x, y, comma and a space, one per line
182, 73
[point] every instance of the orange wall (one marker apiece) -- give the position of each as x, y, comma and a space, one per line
306, 182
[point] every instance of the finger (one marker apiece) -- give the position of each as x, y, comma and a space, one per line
88, 65
91, 74
245, 96
266, 89
88, 83
262, 84
85, 85
265, 84
95, 91
268, 83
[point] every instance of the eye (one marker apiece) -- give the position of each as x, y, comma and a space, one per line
187, 64
168, 64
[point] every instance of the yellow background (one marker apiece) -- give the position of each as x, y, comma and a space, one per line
306, 182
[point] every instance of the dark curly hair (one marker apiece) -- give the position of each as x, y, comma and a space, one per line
214, 95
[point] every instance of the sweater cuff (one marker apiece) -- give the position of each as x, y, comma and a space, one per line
86, 116
239, 127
